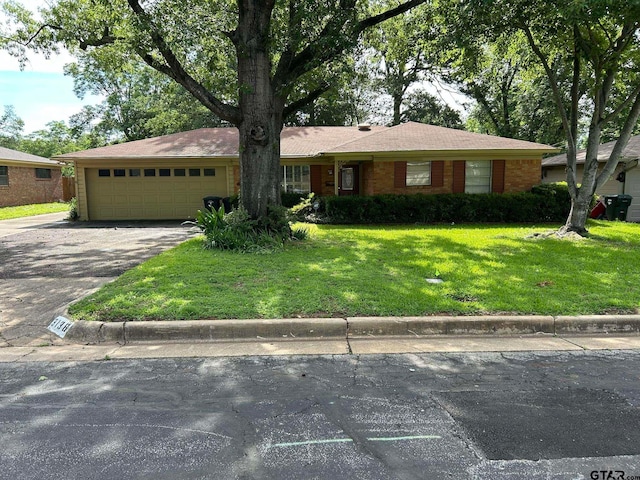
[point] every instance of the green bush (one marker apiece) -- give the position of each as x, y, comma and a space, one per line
73, 209
237, 231
546, 203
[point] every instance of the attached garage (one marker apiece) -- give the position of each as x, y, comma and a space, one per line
150, 192
153, 190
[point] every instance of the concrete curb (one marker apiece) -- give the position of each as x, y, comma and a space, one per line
345, 328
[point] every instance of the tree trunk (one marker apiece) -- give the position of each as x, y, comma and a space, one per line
397, 103
581, 197
577, 219
261, 111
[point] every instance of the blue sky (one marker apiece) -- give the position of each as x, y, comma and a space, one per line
41, 92
39, 97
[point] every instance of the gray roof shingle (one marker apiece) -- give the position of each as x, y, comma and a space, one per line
16, 156
631, 151
313, 141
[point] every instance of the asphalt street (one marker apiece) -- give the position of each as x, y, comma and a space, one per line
550, 415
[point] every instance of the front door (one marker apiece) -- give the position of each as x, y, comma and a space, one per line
349, 180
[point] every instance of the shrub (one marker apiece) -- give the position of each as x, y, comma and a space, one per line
73, 209
237, 231
547, 203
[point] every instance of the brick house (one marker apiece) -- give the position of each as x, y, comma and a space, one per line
26, 179
167, 177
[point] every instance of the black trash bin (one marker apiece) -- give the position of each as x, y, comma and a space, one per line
212, 203
617, 206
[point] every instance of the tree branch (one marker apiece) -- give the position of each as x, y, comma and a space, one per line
176, 71
318, 52
621, 143
42, 27
309, 98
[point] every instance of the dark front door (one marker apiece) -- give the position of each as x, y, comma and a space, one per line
349, 181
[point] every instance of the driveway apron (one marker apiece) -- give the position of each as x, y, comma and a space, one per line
47, 263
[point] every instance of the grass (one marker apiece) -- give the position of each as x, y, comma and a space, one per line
362, 271
30, 210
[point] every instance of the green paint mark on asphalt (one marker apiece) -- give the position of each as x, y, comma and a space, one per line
312, 442
414, 437
349, 440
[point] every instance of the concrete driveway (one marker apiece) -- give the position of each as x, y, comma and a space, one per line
47, 263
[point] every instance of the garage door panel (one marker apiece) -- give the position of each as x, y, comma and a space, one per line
140, 197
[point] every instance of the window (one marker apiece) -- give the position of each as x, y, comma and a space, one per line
4, 175
103, 172
209, 172
149, 172
477, 176
165, 172
119, 172
43, 173
179, 172
194, 172
296, 179
418, 173
134, 172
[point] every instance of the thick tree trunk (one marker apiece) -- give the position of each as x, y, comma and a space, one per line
261, 110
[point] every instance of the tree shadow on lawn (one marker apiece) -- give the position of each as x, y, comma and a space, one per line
496, 274
364, 271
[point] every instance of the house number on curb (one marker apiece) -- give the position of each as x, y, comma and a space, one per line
60, 326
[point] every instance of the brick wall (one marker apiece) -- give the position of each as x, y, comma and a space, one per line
383, 177
521, 175
24, 188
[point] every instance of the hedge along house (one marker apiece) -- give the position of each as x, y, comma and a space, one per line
625, 180
26, 179
167, 177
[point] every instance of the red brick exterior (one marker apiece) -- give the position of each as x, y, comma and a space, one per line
521, 175
24, 188
383, 178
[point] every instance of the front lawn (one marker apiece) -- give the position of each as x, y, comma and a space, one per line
362, 271
30, 210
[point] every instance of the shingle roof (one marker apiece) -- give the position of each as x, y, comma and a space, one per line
313, 141
413, 136
16, 156
631, 151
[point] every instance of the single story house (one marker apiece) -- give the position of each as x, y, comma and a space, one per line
625, 180
26, 179
167, 177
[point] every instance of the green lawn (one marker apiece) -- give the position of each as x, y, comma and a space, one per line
353, 271
30, 210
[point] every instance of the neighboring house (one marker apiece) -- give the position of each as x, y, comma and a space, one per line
625, 180
27, 179
167, 177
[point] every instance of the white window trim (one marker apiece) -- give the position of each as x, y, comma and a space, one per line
489, 185
296, 187
416, 177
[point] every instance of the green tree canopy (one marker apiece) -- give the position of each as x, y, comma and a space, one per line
245, 61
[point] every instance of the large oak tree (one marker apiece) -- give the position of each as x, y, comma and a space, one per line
243, 60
